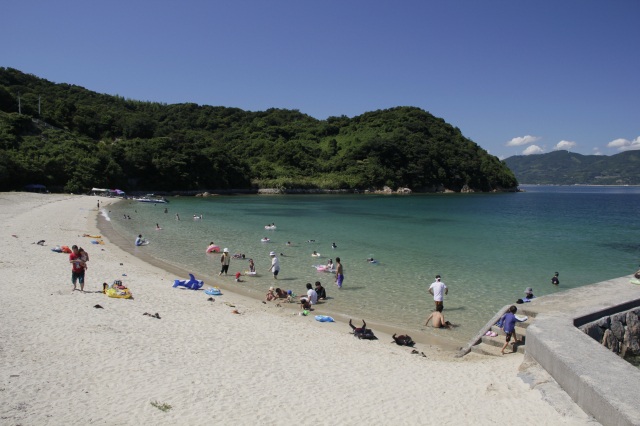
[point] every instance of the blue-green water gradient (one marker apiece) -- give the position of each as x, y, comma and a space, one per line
487, 247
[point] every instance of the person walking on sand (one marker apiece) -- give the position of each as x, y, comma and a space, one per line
438, 289
225, 259
339, 273
77, 268
275, 265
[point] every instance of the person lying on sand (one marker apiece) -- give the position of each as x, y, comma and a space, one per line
271, 295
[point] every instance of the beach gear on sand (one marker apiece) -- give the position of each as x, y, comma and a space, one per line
403, 340
192, 283
214, 291
521, 318
324, 318
118, 293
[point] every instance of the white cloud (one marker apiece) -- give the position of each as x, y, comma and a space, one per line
565, 145
533, 149
625, 144
523, 140
596, 151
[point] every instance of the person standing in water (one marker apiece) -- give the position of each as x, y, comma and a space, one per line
339, 273
555, 280
275, 265
225, 259
438, 289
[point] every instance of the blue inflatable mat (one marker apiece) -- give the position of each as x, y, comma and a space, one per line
324, 318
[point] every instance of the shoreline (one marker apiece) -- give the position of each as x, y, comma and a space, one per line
384, 330
84, 358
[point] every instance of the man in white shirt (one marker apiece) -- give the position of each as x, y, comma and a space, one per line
275, 265
311, 299
438, 289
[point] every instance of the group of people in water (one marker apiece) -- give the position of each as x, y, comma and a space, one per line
313, 295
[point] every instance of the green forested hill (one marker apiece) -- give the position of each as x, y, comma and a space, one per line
81, 139
568, 168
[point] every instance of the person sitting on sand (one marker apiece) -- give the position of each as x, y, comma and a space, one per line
271, 295
140, 241
281, 294
306, 302
320, 291
438, 319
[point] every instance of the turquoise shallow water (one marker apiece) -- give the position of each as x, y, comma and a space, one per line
487, 247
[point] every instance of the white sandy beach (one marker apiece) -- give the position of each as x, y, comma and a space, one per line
62, 361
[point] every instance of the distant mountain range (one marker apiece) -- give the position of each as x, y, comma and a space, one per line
568, 168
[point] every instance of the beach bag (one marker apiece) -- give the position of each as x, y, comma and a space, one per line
403, 340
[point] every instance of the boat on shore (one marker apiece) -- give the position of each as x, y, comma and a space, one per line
151, 198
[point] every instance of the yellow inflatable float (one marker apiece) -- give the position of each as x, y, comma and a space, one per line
119, 294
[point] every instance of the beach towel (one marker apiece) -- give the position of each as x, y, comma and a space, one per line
324, 318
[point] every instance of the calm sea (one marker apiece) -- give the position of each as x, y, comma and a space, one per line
487, 247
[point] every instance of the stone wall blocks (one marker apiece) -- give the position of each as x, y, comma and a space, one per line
594, 330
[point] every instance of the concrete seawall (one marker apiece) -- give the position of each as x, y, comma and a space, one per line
598, 380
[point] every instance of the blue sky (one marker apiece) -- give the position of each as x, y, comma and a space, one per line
515, 77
